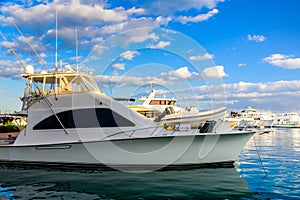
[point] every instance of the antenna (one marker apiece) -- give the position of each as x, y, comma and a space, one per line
76, 48
13, 51
56, 35
30, 45
61, 64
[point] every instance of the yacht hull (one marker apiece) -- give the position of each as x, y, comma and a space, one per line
286, 126
153, 151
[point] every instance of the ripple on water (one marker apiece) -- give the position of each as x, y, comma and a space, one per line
270, 164
268, 167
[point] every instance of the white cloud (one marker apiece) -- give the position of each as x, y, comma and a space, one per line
129, 55
214, 72
182, 72
165, 78
8, 45
87, 16
135, 10
163, 20
113, 28
162, 6
276, 96
160, 45
242, 64
119, 66
279, 86
90, 14
9, 69
134, 23
142, 38
23, 43
95, 21
275, 57
264, 87
198, 18
127, 81
283, 61
256, 38
205, 56
98, 50
90, 34
243, 86
131, 36
74, 12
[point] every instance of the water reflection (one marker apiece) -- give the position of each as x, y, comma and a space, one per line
270, 164
219, 183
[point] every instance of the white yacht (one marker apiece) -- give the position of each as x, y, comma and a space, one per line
165, 111
253, 118
70, 121
287, 120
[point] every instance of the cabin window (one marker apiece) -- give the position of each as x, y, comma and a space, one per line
85, 118
171, 103
90, 84
50, 84
154, 102
148, 114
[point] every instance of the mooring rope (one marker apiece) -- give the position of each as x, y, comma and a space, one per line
260, 160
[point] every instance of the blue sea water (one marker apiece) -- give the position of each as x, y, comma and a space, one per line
267, 168
270, 164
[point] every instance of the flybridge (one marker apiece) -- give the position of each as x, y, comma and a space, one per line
58, 83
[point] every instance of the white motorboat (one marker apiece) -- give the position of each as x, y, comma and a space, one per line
70, 121
164, 111
252, 118
287, 120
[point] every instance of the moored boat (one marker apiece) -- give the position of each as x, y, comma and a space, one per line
252, 118
287, 120
164, 111
70, 121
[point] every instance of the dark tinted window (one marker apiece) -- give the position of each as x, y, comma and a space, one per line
84, 118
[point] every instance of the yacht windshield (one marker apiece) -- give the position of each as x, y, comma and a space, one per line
63, 83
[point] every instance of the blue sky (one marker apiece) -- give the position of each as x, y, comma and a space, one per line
237, 53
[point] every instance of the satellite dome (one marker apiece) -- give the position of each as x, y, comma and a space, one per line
29, 69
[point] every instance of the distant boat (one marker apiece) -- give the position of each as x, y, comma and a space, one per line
14, 119
159, 104
165, 111
287, 120
253, 118
10, 123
